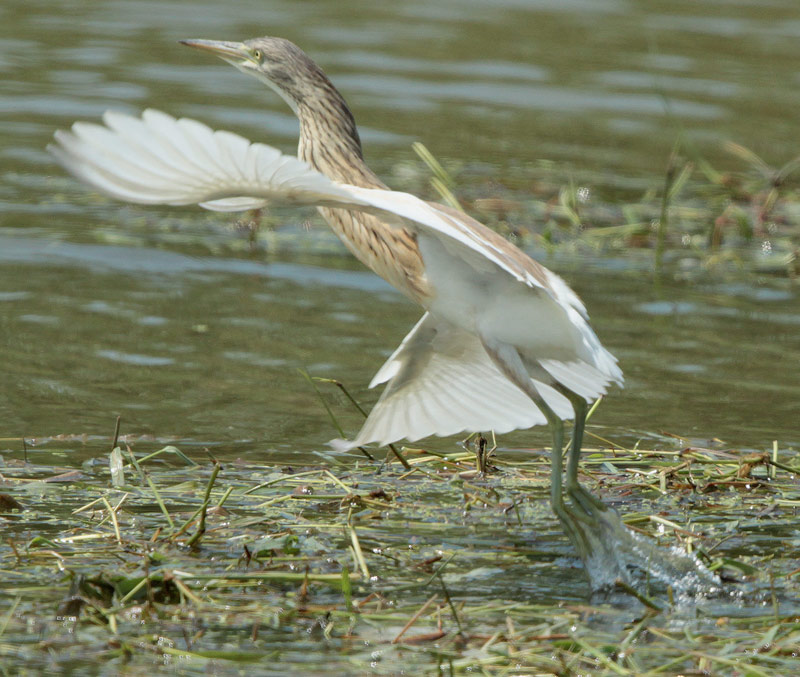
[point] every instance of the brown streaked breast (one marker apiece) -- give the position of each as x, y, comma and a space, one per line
390, 251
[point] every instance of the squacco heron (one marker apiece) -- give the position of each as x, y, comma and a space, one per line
504, 343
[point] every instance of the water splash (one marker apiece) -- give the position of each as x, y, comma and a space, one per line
612, 552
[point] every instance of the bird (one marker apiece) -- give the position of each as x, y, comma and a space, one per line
503, 343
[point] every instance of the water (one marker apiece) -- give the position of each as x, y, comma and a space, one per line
167, 317
615, 553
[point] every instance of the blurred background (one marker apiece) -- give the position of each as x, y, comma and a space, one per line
556, 121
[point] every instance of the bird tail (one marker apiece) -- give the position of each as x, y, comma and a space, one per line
441, 381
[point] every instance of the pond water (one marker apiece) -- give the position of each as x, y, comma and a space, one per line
168, 318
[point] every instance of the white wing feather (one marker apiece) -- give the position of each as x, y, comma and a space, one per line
442, 382
157, 159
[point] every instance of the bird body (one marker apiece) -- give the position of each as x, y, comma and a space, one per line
392, 253
504, 343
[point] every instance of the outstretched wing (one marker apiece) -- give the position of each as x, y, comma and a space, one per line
157, 159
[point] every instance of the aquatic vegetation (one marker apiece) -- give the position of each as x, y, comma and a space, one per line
194, 564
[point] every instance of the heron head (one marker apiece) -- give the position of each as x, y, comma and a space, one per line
277, 62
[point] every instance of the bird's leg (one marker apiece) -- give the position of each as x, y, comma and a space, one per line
556, 465
510, 363
575, 490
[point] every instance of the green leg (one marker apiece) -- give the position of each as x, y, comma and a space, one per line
556, 499
510, 363
579, 406
575, 490
565, 516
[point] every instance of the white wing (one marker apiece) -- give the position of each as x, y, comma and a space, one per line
157, 159
442, 382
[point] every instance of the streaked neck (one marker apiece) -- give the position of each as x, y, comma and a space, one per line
329, 141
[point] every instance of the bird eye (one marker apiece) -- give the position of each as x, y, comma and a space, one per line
257, 54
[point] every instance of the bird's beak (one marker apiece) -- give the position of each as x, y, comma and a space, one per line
232, 52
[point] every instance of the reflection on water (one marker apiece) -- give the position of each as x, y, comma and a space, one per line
152, 313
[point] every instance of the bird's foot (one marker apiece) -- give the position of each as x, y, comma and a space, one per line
581, 496
583, 507
594, 530
578, 524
